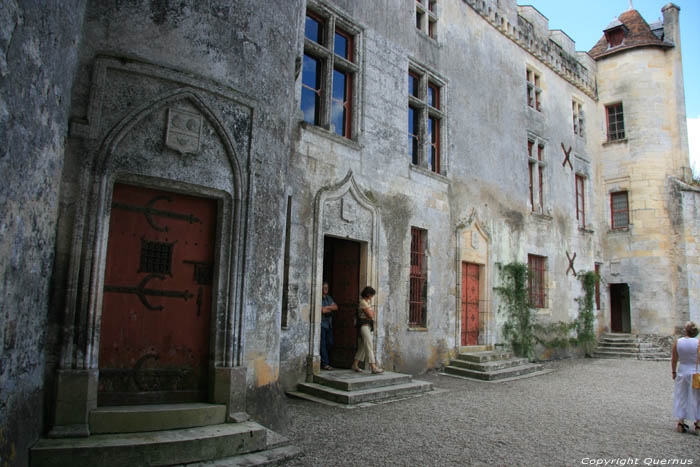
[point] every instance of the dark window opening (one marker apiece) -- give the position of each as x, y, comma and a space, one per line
615, 37
434, 137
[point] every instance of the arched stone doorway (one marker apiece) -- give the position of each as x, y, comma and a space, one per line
343, 212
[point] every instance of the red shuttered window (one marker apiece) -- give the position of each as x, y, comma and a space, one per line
619, 210
538, 294
418, 292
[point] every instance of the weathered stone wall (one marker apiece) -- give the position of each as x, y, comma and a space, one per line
689, 246
38, 49
644, 255
233, 64
483, 190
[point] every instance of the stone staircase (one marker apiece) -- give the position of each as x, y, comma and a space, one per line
351, 389
172, 434
490, 365
613, 345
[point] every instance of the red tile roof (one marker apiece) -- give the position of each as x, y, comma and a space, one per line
639, 35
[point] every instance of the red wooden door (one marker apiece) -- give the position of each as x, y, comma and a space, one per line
470, 304
154, 338
342, 271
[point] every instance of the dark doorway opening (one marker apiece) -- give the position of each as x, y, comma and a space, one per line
341, 269
620, 308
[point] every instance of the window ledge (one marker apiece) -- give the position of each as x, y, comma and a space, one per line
586, 230
410, 329
425, 35
540, 216
616, 141
429, 173
331, 135
620, 230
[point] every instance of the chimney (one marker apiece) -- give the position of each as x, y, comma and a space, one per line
672, 32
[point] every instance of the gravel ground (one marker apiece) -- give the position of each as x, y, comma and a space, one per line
586, 411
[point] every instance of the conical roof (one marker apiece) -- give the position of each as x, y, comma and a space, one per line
638, 35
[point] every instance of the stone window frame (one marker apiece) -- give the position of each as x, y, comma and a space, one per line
334, 22
537, 281
577, 117
533, 79
537, 163
427, 17
427, 103
615, 130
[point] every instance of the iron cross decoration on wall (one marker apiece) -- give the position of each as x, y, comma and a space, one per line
571, 263
567, 160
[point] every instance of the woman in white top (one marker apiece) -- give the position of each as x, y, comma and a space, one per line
686, 399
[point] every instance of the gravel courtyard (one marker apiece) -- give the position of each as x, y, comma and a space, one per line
586, 412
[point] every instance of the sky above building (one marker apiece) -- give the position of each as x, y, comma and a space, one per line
584, 23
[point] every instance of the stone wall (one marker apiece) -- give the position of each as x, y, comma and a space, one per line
38, 49
689, 246
234, 66
481, 192
644, 255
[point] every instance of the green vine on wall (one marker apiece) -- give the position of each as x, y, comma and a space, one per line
585, 334
518, 328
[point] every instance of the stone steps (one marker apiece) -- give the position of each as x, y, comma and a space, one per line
140, 418
350, 388
151, 448
169, 434
628, 346
275, 456
485, 356
490, 366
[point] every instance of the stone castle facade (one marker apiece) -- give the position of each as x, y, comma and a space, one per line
413, 148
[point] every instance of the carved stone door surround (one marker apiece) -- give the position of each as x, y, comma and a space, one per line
473, 241
344, 211
172, 138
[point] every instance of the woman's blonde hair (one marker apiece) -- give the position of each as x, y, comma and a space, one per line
691, 329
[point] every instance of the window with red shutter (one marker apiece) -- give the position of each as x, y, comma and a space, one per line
418, 289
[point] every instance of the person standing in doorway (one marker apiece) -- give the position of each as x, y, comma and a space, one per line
328, 306
686, 399
365, 324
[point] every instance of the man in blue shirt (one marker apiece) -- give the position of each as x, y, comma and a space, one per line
328, 306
